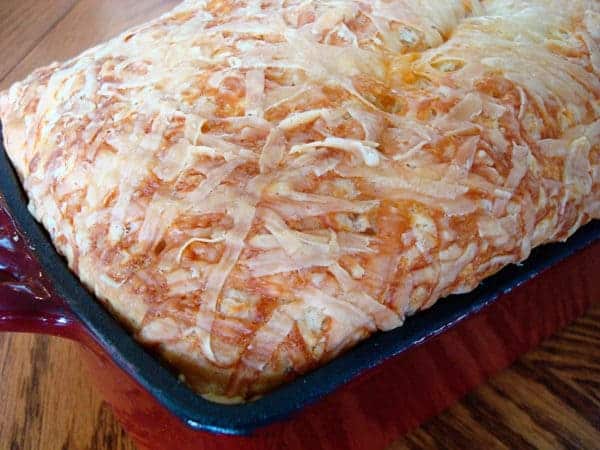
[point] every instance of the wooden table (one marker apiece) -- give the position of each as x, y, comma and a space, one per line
549, 399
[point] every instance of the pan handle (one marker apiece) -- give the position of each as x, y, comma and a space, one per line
27, 302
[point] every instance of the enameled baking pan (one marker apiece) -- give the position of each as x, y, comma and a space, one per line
363, 399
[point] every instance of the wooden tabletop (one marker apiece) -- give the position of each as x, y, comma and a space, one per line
549, 399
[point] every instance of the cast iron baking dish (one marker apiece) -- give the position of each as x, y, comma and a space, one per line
243, 419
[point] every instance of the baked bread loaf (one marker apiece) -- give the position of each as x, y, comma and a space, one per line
252, 187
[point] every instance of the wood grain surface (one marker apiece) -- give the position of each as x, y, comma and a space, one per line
549, 399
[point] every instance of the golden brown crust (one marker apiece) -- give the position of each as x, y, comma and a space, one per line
255, 186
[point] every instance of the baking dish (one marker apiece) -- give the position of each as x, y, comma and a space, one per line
387, 384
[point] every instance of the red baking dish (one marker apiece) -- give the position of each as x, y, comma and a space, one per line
371, 395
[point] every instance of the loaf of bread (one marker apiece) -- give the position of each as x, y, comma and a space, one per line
253, 187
